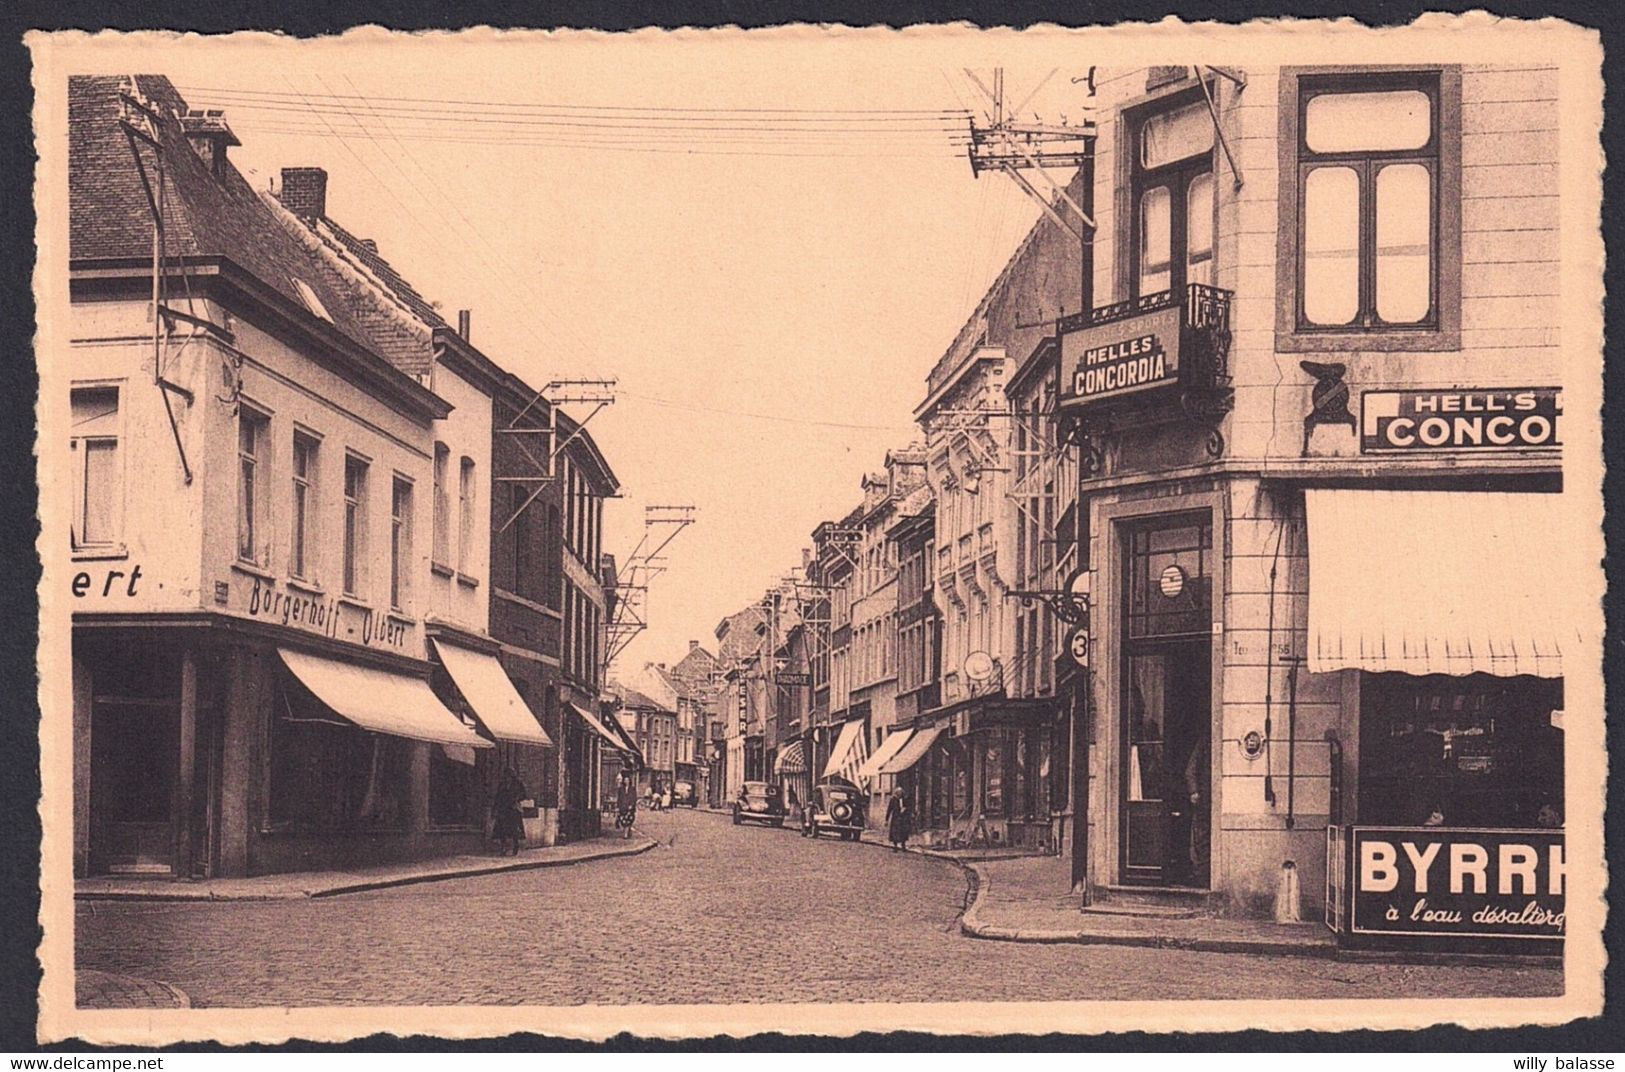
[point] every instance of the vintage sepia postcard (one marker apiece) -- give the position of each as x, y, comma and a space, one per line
820, 530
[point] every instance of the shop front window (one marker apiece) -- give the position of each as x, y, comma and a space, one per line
454, 783
1476, 751
993, 779
328, 774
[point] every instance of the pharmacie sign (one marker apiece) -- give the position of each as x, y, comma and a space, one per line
1127, 357
1440, 882
1488, 420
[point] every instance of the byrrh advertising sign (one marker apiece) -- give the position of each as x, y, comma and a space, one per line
1438, 882
1499, 419
1122, 358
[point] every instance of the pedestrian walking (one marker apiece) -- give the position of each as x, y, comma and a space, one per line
626, 803
899, 820
508, 822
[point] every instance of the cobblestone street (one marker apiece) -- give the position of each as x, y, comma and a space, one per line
715, 913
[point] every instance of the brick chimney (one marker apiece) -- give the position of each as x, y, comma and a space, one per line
304, 191
465, 319
692, 644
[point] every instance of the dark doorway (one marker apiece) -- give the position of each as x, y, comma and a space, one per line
134, 745
1167, 719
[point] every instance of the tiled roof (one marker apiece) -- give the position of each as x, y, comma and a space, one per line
205, 215
365, 250
698, 662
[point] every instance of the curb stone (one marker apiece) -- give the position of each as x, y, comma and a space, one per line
634, 849
183, 895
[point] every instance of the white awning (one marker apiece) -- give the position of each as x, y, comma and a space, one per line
888, 748
915, 750
490, 692
381, 701
617, 742
792, 758
1438, 582
840, 757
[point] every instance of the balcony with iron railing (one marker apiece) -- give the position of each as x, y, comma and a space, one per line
1153, 359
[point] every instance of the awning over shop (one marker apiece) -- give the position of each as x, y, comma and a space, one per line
911, 753
490, 692
846, 757
1429, 582
888, 748
615, 741
792, 759
380, 701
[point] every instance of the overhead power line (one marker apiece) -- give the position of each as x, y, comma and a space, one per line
645, 123
249, 94
857, 154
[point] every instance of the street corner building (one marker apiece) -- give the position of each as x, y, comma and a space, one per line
1225, 568
323, 597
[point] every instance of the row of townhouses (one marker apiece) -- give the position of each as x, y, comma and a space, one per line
1185, 579
334, 569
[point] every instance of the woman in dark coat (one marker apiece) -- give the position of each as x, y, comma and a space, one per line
899, 820
626, 802
508, 822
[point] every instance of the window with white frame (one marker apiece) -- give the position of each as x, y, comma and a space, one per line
98, 501
301, 544
441, 550
1368, 165
253, 535
1171, 181
400, 542
355, 524
465, 515
1370, 195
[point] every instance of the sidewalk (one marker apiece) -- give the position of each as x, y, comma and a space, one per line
1021, 901
105, 990
298, 884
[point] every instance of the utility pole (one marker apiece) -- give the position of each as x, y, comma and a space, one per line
1014, 148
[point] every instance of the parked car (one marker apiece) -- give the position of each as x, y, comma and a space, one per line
683, 793
835, 807
760, 802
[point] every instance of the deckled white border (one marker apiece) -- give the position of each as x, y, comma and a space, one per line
1472, 38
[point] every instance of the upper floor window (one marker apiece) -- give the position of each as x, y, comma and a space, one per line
1370, 210
465, 515
301, 541
441, 552
400, 541
253, 432
1368, 161
355, 523
1171, 190
98, 501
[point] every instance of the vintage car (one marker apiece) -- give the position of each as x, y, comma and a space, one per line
835, 807
683, 793
760, 802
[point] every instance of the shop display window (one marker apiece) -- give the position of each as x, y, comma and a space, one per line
329, 774
1476, 751
454, 783
993, 782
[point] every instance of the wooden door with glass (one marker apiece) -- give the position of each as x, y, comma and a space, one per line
1166, 703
